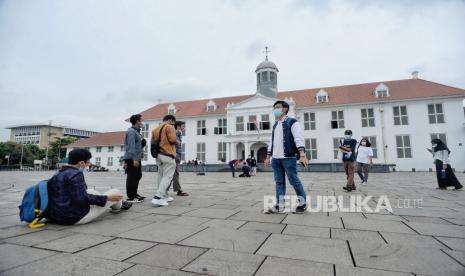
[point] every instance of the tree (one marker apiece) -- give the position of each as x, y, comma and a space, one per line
56, 150
30, 152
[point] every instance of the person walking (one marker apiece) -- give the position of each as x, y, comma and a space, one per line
180, 127
165, 158
133, 144
444, 173
287, 142
364, 159
347, 147
253, 165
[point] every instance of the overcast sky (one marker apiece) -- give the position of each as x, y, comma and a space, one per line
91, 63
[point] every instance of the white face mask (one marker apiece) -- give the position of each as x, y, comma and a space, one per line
364, 143
347, 136
435, 145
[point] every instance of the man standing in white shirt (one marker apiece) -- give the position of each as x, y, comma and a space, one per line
287, 144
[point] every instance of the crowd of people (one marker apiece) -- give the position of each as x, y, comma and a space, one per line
71, 202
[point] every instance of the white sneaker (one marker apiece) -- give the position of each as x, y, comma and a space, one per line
159, 202
169, 199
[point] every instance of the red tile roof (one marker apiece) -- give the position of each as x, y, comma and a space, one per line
338, 95
101, 139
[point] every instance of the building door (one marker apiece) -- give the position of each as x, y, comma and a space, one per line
261, 155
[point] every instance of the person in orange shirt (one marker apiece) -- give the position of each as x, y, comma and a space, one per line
166, 159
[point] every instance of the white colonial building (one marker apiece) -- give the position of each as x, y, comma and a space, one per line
399, 118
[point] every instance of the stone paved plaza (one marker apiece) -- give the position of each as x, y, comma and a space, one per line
221, 230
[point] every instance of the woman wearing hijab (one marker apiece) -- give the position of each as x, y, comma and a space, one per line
444, 172
364, 159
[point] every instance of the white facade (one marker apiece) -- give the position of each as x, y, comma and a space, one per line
239, 144
107, 156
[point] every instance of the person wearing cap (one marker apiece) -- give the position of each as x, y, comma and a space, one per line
347, 147
286, 145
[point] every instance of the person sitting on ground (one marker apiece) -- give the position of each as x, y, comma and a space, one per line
245, 170
69, 200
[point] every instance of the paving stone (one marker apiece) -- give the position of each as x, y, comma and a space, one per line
258, 216
220, 262
414, 240
117, 249
161, 232
224, 223
377, 225
457, 221
384, 217
107, 227
307, 248
211, 213
314, 219
263, 227
454, 243
357, 235
274, 266
156, 218
173, 210
139, 270
426, 220
227, 239
12, 255
14, 231
74, 242
38, 237
167, 256
185, 220
443, 230
67, 264
11, 220
397, 257
342, 270
309, 231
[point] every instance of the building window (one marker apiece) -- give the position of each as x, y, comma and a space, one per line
400, 115
382, 93
144, 130
265, 76
210, 108
201, 128
336, 143
310, 148
368, 117
441, 136
272, 77
435, 114
111, 148
372, 140
258, 79
251, 124
240, 123
221, 129
98, 149
201, 152
404, 149
321, 96
309, 121
183, 151
97, 161
265, 123
337, 119
110, 161
222, 151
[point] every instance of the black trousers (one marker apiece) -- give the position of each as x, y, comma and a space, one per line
133, 176
233, 169
450, 180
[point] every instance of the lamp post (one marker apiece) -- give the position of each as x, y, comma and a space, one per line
22, 154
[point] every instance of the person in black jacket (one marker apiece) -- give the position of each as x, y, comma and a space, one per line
245, 170
69, 200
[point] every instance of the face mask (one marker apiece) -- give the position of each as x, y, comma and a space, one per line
347, 136
435, 145
364, 143
83, 169
277, 112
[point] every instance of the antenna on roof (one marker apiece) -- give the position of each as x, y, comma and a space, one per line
415, 75
266, 52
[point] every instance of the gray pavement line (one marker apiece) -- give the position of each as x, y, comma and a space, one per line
284, 228
28, 263
351, 254
382, 237
255, 252
343, 225
452, 257
190, 235
232, 215
334, 269
442, 243
261, 263
125, 269
124, 260
191, 261
411, 227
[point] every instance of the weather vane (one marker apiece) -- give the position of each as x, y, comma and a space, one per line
266, 52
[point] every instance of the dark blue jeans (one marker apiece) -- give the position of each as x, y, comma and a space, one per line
282, 167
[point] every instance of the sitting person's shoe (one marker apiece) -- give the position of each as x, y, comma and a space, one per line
300, 209
134, 200
126, 205
169, 199
347, 188
181, 193
140, 197
459, 187
274, 210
